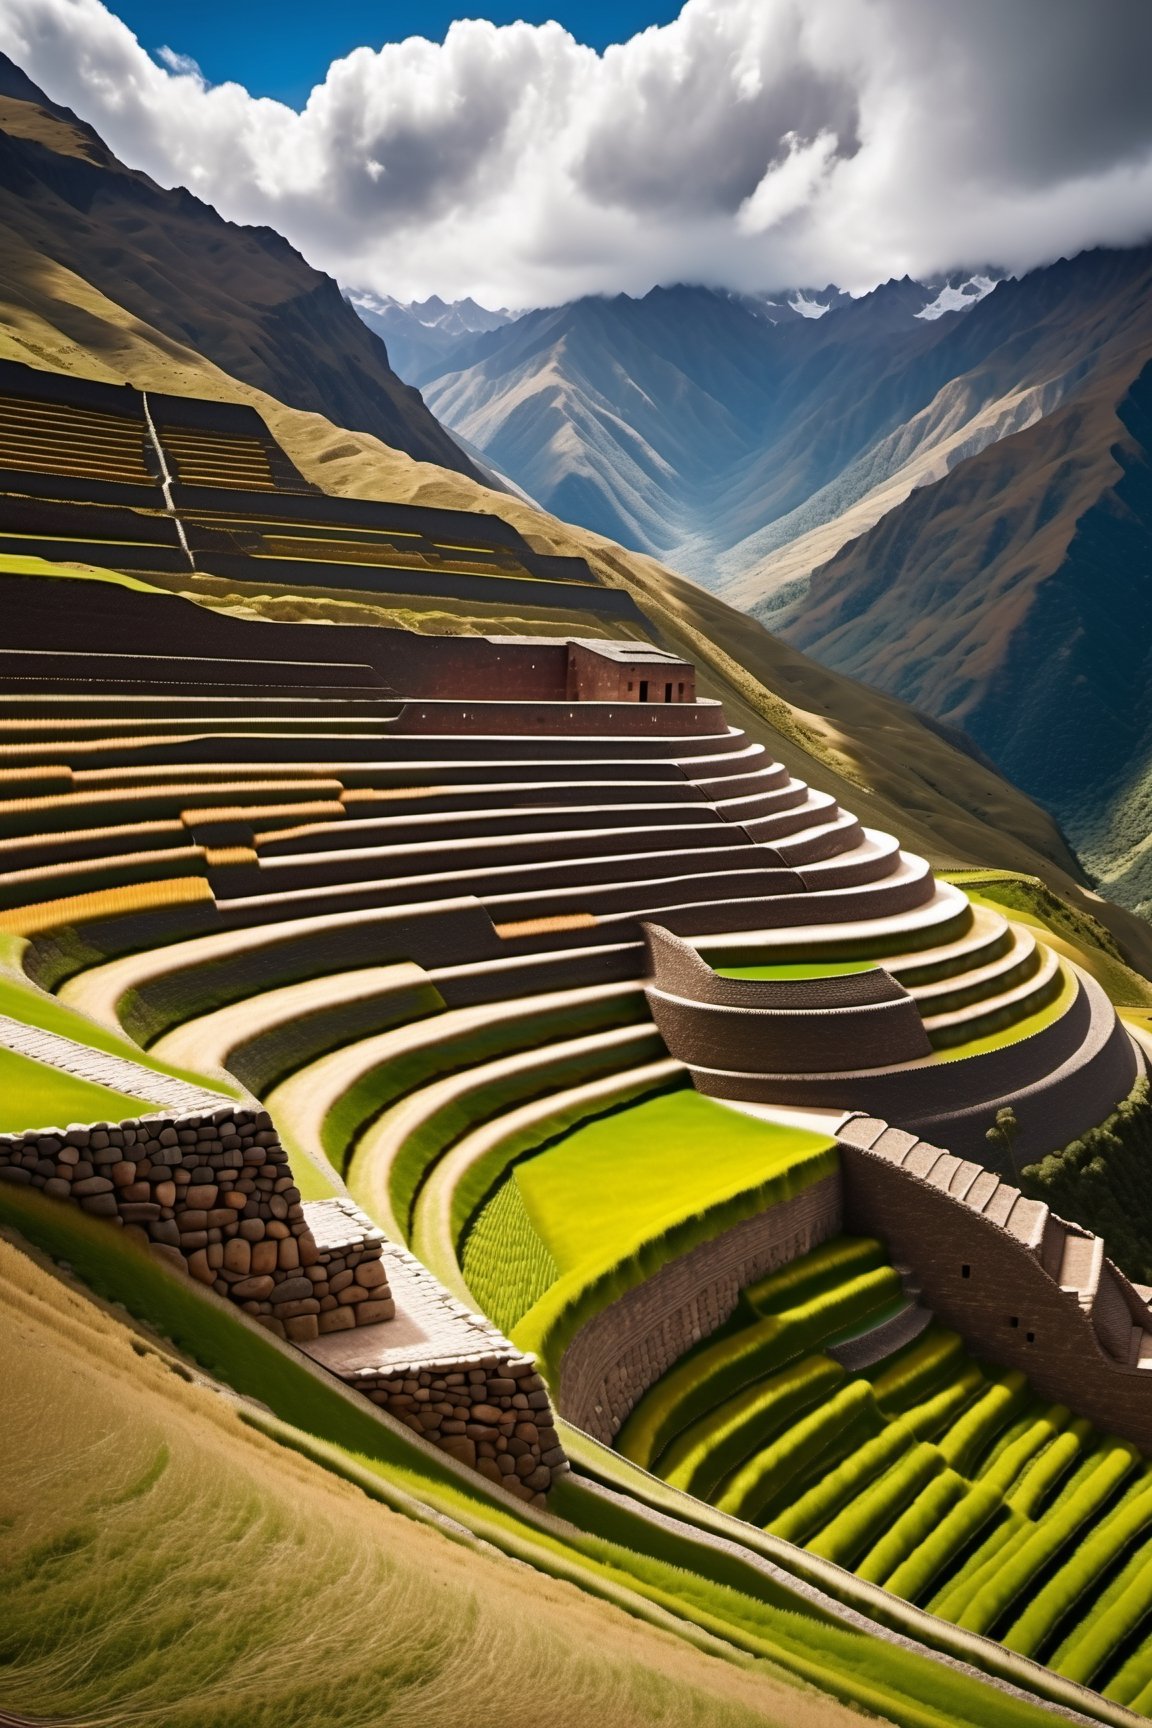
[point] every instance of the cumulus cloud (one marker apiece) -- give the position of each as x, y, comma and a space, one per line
755, 144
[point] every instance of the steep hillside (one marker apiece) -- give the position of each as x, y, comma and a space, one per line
149, 1437
243, 297
1012, 598
883, 760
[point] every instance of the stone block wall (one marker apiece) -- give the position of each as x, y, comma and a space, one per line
994, 1290
213, 1193
492, 1413
450, 1375
627, 1346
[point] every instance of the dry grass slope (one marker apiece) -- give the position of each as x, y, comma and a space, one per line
163, 1564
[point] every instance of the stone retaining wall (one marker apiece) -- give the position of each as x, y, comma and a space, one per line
213, 1193
627, 1346
492, 1414
452, 1376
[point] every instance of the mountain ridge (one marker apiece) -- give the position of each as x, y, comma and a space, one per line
243, 296
893, 769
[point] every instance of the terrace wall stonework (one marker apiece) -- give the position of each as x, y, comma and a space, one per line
628, 1345
213, 1193
1009, 1309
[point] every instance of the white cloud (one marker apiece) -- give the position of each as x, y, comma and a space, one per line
179, 63
753, 143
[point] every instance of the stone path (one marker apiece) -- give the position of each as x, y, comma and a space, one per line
430, 1326
118, 1073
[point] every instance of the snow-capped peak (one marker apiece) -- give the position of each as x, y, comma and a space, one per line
957, 298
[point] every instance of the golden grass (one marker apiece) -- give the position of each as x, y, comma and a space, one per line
162, 1564
542, 926
103, 903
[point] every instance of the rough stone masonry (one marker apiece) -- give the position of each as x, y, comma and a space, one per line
214, 1194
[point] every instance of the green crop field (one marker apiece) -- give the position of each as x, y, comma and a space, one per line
34, 1095
617, 1195
951, 1484
608, 1180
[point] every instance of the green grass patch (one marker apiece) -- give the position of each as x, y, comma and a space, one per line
668, 1157
34, 1095
21, 999
797, 969
506, 1265
23, 564
651, 1200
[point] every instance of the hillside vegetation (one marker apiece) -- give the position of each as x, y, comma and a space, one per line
156, 1512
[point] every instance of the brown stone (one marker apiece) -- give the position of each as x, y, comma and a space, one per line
252, 1229
337, 1320
302, 1328
164, 1193
288, 1255
202, 1195
254, 1289
139, 1211
459, 1447
265, 1256
199, 1267
238, 1256
370, 1274
371, 1313
122, 1173
486, 1413
91, 1185
100, 1205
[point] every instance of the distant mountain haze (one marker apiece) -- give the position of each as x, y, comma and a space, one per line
942, 489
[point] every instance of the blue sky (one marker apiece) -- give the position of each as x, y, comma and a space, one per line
282, 48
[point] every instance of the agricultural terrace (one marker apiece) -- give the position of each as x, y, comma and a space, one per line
948, 1483
590, 1215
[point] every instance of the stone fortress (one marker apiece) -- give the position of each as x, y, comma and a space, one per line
309, 859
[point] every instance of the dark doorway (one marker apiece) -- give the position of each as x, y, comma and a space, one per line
643, 689
667, 692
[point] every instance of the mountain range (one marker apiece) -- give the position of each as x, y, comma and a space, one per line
81, 237
939, 489
241, 297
